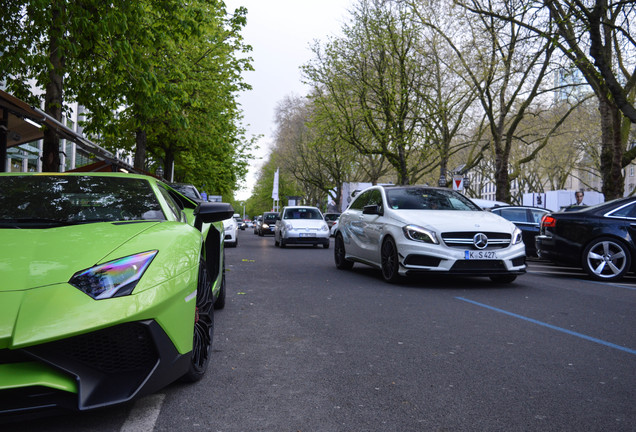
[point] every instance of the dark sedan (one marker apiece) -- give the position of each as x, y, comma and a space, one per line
600, 238
527, 219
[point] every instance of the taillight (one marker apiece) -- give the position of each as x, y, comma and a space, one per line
548, 221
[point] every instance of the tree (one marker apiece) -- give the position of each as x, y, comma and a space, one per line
369, 75
47, 42
602, 29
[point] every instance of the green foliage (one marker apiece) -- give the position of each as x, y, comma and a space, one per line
159, 67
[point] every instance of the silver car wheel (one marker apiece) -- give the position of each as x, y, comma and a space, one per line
606, 259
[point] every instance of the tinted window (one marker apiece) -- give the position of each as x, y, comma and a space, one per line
361, 200
66, 198
414, 198
514, 215
302, 213
629, 211
269, 217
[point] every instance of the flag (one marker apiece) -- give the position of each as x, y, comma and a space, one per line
275, 190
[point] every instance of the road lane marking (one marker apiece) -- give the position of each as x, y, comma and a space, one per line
550, 326
144, 414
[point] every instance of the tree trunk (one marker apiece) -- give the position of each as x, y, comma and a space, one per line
53, 97
140, 149
168, 165
502, 177
611, 150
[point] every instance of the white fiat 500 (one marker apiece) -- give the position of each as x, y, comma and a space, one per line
406, 230
301, 225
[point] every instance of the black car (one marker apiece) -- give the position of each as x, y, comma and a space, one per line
599, 238
528, 219
267, 225
188, 190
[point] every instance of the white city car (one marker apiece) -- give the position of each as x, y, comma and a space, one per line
301, 225
408, 230
230, 227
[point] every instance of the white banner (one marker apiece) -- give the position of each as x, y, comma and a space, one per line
275, 190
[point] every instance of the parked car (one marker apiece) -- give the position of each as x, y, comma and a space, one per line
415, 230
527, 219
598, 238
267, 224
334, 227
303, 225
331, 218
188, 190
230, 227
109, 282
257, 223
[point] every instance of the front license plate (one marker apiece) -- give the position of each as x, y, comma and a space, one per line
480, 255
307, 235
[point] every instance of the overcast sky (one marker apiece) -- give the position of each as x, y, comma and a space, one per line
280, 33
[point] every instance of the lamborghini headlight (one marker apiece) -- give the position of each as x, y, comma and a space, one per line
417, 233
516, 236
115, 278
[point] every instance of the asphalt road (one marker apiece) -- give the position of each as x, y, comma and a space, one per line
302, 346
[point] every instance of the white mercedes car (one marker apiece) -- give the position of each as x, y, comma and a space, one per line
409, 230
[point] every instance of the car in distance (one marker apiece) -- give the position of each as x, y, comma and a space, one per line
415, 230
109, 282
527, 219
599, 238
301, 225
188, 190
331, 218
268, 223
257, 223
230, 228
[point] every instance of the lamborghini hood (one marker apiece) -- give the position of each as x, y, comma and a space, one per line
31, 258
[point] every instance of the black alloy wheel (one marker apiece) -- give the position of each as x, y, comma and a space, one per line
606, 259
389, 261
339, 254
203, 327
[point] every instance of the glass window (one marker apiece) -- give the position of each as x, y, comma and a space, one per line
514, 215
360, 201
629, 211
418, 198
47, 200
174, 207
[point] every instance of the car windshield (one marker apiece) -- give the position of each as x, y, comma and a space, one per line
413, 198
270, 217
49, 200
302, 213
331, 216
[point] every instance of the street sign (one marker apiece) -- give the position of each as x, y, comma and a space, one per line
458, 182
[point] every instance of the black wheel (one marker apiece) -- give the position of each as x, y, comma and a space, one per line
219, 303
276, 242
606, 259
506, 278
203, 328
325, 245
339, 254
260, 233
282, 243
389, 261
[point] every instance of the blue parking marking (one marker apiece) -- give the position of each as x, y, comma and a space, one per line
550, 326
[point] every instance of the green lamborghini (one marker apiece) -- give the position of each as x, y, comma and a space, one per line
108, 283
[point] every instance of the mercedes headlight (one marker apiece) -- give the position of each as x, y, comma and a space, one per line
516, 236
115, 278
417, 233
